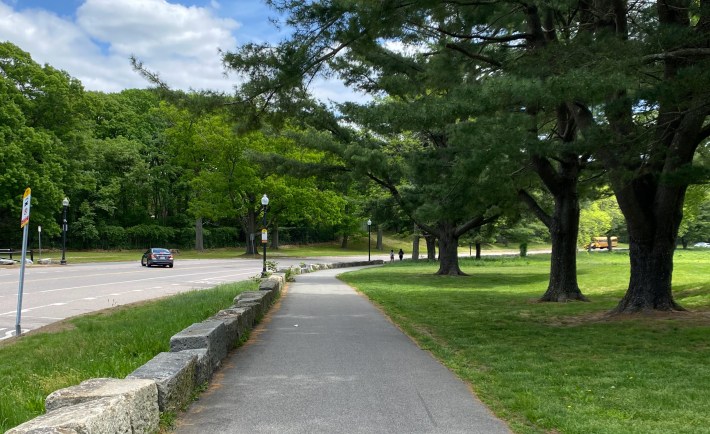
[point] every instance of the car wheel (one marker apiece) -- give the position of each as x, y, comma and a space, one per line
142, 263
170, 266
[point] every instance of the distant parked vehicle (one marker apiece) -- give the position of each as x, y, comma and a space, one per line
703, 245
602, 243
157, 256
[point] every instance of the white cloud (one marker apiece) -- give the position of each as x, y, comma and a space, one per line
335, 91
181, 43
156, 28
178, 42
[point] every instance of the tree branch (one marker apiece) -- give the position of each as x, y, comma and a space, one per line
474, 56
547, 173
677, 54
509, 38
475, 223
398, 198
540, 213
704, 134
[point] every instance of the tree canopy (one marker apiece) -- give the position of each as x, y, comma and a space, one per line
607, 86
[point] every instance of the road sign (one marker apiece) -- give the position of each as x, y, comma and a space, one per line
26, 199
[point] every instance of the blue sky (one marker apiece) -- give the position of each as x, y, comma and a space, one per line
93, 39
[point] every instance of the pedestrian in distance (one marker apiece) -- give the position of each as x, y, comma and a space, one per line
392, 255
401, 254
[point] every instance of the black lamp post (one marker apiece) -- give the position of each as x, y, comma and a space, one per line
65, 204
264, 238
369, 239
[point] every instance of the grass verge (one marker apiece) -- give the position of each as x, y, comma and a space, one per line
112, 343
356, 246
560, 368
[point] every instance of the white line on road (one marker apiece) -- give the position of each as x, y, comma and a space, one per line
126, 281
11, 333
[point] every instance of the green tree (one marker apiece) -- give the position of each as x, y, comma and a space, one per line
40, 128
126, 178
355, 40
603, 83
598, 218
425, 168
695, 225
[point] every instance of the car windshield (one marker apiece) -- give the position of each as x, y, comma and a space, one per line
163, 251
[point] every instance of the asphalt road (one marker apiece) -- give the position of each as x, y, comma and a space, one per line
326, 361
53, 293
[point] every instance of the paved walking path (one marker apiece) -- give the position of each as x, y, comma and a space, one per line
326, 361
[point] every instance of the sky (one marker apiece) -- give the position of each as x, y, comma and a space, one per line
92, 40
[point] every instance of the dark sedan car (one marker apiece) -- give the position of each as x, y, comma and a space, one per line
157, 256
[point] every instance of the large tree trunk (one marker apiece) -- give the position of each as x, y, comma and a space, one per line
448, 252
650, 282
653, 229
415, 246
430, 247
650, 180
561, 182
199, 236
564, 228
478, 250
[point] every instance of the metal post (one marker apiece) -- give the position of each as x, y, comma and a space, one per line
264, 237
24, 224
369, 239
263, 270
65, 203
18, 328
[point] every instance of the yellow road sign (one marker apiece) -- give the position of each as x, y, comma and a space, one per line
26, 199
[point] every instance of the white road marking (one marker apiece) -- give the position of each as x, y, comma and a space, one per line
129, 281
10, 333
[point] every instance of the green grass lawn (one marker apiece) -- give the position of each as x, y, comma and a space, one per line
112, 343
543, 367
568, 368
356, 246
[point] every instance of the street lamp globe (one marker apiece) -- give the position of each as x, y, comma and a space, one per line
65, 202
264, 200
